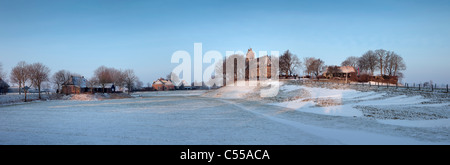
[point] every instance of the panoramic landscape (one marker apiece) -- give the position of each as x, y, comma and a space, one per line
208, 73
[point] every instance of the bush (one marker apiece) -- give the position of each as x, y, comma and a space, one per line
364, 78
307, 76
353, 77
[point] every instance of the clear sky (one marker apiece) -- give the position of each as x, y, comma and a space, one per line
81, 35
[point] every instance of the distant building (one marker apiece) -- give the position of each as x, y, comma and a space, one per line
184, 85
163, 85
109, 88
263, 66
75, 85
3, 87
78, 84
339, 72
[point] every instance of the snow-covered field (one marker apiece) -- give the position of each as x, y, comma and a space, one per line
299, 114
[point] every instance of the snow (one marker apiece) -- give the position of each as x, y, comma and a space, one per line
288, 88
299, 114
396, 100
418, 123
232, 92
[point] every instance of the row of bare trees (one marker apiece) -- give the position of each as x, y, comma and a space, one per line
36, 74
123, 78
33, 74
387, 62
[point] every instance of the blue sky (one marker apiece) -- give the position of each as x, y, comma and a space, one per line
80, 36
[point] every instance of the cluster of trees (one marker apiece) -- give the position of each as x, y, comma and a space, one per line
36, 74
33, 74
387, 62
313, 65
2, 74
290, 64
122, 78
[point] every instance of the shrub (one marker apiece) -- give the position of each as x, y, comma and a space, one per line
364, 78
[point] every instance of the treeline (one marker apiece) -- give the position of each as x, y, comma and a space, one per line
388, 63
36, 74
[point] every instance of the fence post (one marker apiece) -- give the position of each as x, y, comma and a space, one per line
431, 87
407, 86
419, 87
447, 88
396, 85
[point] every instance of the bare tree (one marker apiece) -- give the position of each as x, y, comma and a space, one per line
332, 70
399, 65
393, 64
368, 62
130, 79
138, 84
103, 76
91, 83
118, 77
381, 54
61, 77
2, 74
39, 73
307, 61
20, 75
317, 67
289, 63
350, 61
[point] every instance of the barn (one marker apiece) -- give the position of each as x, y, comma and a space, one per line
75, 85
3, 87
163, 85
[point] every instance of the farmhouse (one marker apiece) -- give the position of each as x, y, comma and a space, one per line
75, 85
339, 72
163, 85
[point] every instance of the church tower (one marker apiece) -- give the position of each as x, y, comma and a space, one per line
250, 54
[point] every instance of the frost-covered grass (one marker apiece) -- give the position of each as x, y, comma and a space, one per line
299, 114
337, 100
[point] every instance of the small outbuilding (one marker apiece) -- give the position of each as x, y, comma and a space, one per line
163, 85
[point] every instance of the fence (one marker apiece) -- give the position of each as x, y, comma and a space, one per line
415, 87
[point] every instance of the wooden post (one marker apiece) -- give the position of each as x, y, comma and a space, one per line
396, 86
431, 87
407, 86
447, 88
419, 87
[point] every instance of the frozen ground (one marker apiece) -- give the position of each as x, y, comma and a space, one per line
297, 115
